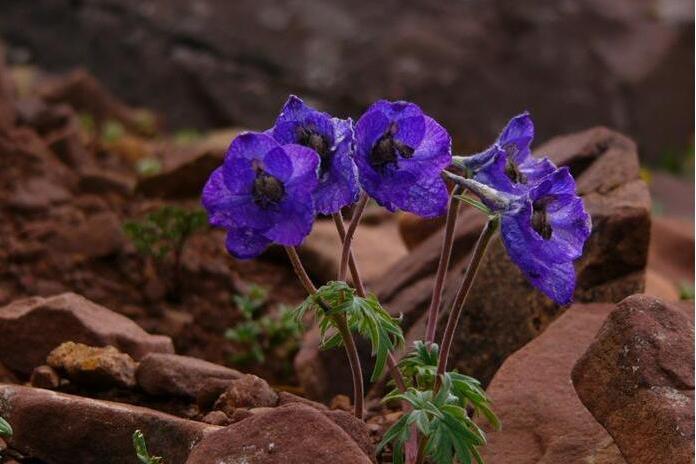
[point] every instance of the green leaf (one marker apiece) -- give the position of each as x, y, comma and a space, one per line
5, 428
141, 450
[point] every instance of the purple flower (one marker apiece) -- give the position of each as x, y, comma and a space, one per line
400, 154
262, 194
508, 165
544, 231
332, 139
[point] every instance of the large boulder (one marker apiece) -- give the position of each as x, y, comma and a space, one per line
33, 327
637, 379
291, 434
504, 311
65, 429
230, 62
543, 419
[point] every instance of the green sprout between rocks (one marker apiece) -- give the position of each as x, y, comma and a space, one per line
261, 335
5, 428
141, 450
163, 233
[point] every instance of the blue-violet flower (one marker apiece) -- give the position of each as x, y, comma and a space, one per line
508, 164
401, 153
332, 139
544, 231
262, 194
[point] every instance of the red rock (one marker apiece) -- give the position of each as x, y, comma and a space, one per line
672, 250
414, 230
543, 419
66, 429
6, 375
289, 434
637, 379
29, 328
8, 112
171, 374
216, 418
100, 181
97, 236
45, 377
248, 391
287, 398
183, 174
96, 367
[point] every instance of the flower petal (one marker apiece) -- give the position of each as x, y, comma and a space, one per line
293, 220
519, 131
296, 114
245, 243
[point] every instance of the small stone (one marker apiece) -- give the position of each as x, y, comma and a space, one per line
249, 391
341, 402
184, 376
94, 366
45, 377
216, 418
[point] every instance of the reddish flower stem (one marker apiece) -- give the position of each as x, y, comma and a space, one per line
342, 327
350, 233
446, 253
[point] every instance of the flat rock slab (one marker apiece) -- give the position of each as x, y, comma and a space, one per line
544, 422
33, 327
290, 434
637, 379
67, 429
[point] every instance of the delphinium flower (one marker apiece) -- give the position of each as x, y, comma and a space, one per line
401, 153
544, 229
263, 193
332, 139
508, 164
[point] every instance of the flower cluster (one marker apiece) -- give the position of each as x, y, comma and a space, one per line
543, 221
272, 184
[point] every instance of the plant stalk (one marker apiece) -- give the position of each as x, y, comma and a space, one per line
350, 233
445, 255
462, 293
343, 330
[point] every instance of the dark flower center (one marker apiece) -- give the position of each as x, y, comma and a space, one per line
511, 169
386, 150
267, 189
540, 220
311, 139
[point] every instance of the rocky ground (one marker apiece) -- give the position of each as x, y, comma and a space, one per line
95, 343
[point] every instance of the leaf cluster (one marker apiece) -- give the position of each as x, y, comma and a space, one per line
364, 315
141, 450
164, 230
5, 428
261, 334
441, 416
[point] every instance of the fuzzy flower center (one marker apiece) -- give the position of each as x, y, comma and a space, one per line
511, 169
387, 150
311, 139
267, 190
540, 220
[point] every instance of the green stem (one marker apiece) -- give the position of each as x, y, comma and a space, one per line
342, 327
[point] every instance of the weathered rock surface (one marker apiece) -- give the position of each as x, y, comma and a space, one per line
503, 311
94, 367
66, 429
228, 61
376, 248
184, 376
289, 434
637, 379
45, 377
672, 249
8, 112
30, 334
544, 422
248, 391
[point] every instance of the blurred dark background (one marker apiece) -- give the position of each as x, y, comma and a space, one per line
472, 64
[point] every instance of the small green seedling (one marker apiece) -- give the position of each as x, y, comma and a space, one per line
5, 428
686, 291
259, 335
141, 450
163, 233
